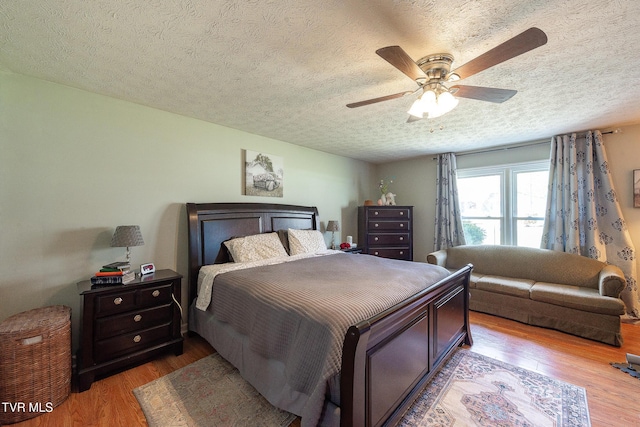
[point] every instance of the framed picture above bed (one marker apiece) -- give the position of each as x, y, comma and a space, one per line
636, 188
263, 174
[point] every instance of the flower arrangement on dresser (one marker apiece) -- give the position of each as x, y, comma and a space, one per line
387, 198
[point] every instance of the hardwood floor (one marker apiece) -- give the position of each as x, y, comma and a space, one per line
612, 395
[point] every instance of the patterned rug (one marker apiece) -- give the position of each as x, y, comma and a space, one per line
475, 390
209, 392
470, 390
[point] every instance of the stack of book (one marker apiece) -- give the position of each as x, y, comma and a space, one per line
116, 273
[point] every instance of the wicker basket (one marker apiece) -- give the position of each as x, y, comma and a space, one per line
35, 362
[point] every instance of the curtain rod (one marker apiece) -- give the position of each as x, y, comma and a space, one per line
584, 133
503, 148
527, 144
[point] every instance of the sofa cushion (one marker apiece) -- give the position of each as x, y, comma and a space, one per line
539, 265
505, 285
579, 298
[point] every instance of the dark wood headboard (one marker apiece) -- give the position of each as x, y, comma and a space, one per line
210, 224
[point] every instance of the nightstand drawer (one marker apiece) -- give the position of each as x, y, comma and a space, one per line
389, 225
128, 343
154, 296
397, 253
115, 303
388, 239
388, 213
135, 320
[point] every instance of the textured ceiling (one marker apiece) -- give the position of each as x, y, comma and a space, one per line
285, 69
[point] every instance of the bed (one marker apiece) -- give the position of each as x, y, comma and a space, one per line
384, 358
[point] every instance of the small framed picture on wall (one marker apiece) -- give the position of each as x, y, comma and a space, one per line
263, 174
636, 188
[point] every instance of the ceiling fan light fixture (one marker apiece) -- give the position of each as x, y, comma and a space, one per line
429, 101
447, 101
425, 104
434, 102
416, 109
440, 104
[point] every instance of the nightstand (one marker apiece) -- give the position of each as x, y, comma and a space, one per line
125, 325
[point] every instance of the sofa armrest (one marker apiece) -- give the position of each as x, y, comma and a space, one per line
612, 281
438, 258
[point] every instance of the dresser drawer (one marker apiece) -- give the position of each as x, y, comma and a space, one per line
388, 213
388, 225
115, 303
397, 253
154, 296
388, 239
130, 342
135, 320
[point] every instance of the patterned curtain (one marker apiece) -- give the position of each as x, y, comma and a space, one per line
583, 214
449, 230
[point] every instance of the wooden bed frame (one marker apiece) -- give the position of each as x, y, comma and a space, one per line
386, 360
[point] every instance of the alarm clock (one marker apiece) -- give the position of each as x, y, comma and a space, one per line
147, 268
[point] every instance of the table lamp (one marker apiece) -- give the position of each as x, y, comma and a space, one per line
333, 226
127, 236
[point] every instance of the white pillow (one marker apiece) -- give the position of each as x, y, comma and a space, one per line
255, 247
306, 241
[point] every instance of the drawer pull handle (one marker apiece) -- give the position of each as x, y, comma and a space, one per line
401, 238
401, 213
137, 338
155, 293
375, 225
375, 212
117, 301
401, 225
376, 239
137, 318
401, 252
375, 253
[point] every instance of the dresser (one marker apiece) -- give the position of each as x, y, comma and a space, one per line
125, 325
386, 231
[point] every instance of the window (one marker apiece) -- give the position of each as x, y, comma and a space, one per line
504, 205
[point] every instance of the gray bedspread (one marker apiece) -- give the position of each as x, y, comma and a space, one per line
298, 312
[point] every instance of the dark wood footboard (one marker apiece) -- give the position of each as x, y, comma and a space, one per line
388, 359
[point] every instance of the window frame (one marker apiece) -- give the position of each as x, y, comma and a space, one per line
508, 188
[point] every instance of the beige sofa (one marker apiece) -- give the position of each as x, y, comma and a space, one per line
557, 290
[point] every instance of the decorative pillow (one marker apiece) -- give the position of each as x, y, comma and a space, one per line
255, 247
305, 241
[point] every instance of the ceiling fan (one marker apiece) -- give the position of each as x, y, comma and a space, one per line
433, 75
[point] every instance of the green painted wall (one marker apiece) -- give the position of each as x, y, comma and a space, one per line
74, 165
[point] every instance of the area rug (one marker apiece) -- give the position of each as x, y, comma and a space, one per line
475, 390
469, 390
208, 392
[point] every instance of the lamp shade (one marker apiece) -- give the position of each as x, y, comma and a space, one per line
333, 226
127, 235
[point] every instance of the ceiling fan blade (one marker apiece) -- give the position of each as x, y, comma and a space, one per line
397, 57
382, 98
489, 94
523, 42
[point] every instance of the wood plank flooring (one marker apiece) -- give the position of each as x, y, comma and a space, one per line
613, 396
